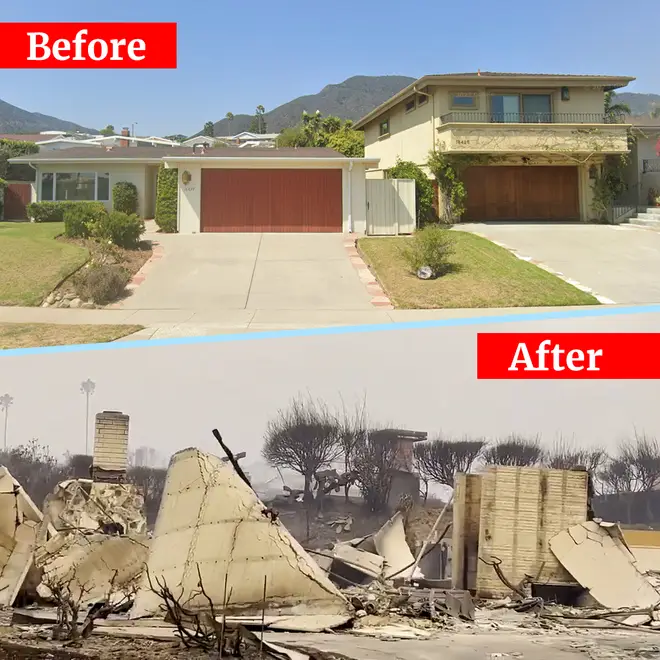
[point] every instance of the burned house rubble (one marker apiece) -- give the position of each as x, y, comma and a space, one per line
514, 548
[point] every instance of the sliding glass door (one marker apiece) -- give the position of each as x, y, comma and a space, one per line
518, 108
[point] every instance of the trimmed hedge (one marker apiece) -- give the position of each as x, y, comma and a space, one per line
125, 197
167, 199
54, 211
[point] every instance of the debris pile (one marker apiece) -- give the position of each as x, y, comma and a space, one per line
220, 564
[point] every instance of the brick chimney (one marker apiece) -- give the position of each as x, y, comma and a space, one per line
125, 132
110, 447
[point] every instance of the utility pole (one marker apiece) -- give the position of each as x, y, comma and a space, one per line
5, 401
87, 388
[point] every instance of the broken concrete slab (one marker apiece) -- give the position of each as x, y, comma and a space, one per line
353, 566
20, 521
84, 505
390, 543
97, 566
597, 556
212, 524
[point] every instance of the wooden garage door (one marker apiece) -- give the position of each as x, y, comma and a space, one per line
521, 193
271, 200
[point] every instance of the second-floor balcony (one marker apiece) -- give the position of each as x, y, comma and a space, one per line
531, 133
528, 118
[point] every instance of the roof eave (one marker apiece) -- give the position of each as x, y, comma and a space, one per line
609, 83
37, 161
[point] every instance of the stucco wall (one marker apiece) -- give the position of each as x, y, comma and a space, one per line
133, 173
189, 196
412, 135
646, 150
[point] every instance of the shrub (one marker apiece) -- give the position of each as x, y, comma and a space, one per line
54, 211
102, 284
424, 191
167, 199
430, 247
79, 219
119, 228
125, 197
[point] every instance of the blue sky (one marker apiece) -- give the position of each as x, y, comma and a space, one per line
297, 47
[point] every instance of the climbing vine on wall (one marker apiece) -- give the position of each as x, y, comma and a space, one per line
448, 170
608, 184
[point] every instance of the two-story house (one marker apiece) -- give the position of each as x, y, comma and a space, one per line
538, 140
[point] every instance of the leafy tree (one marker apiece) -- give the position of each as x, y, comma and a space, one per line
229, 117
314, 130
615, 112
108, 130
424, 191
303, 438
515, 451
208, 130
441, 459
258, 123
14, 149
178, 137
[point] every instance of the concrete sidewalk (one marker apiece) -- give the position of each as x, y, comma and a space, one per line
184, 323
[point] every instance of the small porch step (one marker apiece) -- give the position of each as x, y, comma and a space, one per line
649, 218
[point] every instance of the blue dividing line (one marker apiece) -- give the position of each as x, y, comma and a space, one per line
588, 312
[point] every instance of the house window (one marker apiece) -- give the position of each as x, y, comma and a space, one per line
423, 98
464, 100
410, 105
103, 187
47, 186
385, 127
75, 187
521, 108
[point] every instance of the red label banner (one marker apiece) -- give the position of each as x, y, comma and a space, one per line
568, 356
88, 45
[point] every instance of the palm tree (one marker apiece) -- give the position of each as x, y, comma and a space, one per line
615, 112
260, 114
229, 117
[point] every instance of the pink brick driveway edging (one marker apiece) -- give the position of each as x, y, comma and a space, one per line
378, 297
157, 253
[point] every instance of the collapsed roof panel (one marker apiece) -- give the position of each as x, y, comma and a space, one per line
20, 521
211, 521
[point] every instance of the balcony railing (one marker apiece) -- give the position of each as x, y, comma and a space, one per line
651, 165
529, 118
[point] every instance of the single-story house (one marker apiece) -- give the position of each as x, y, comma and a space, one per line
219, 190
243, 139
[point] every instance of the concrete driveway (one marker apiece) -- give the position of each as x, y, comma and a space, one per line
617, 262
215, 273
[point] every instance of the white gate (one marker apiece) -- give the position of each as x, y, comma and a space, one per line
390, 207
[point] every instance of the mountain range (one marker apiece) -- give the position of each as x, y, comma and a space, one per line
17, 120
351, 99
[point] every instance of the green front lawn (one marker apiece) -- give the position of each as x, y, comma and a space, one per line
482, 274
33, 263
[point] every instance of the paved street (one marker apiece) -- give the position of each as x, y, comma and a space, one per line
618, 262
